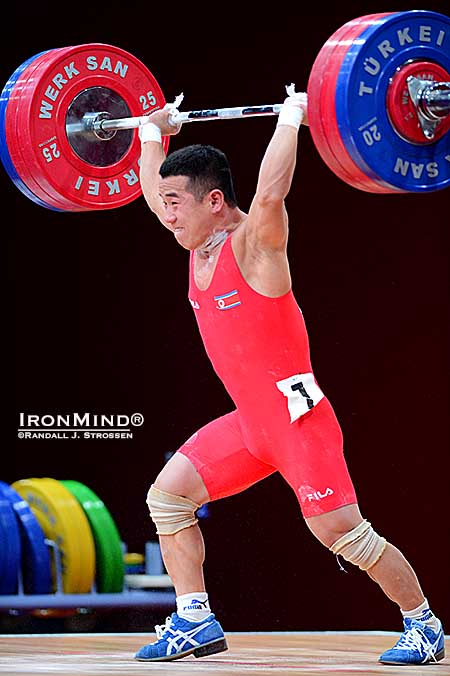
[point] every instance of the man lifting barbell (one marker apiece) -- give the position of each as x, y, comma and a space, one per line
378, 105
254, 334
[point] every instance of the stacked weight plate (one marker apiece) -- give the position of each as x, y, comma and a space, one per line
322, 105
64, 522
4, 151
108, 547
361, 117
10, 551
37, 511
47, 98
32, 558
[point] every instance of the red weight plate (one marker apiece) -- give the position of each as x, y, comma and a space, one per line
332, 130
321, 104
401, 109
24, 158
319, 83
27, 110
318, 79
314, 89
42, 124
17, 151
329, 94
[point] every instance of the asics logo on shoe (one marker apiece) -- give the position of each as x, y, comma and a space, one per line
179, 640
179, 637
196, 605
418, 644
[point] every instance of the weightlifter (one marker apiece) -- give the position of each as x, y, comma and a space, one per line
254, 334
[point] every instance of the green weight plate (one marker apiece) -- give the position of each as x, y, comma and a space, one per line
109, 575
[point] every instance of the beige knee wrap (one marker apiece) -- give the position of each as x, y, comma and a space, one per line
361, 546
170, 513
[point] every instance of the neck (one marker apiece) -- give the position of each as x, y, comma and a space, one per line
212, 243
216, 239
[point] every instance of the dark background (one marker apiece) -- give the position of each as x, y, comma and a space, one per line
97, 320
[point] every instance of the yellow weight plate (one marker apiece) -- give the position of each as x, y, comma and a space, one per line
63, 521
52, 518
78, 524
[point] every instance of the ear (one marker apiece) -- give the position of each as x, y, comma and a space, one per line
216, 200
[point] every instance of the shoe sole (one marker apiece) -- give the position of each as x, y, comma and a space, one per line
211, 648
438, 657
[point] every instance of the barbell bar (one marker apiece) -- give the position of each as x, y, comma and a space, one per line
378, 108
95, 123
432, 101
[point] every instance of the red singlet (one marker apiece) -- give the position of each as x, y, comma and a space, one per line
259, 348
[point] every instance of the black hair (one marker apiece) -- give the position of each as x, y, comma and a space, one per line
206, 168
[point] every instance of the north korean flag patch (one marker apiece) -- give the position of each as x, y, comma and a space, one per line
227, 300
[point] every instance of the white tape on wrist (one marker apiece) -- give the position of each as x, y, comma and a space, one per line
290, 115
173, 108
150, 132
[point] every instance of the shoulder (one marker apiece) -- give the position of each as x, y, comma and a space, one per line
265, 269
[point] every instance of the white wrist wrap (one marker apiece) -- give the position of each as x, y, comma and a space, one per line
149, 132
290, 115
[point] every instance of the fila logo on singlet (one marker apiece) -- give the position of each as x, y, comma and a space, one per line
317, 495
194, 304
228, 300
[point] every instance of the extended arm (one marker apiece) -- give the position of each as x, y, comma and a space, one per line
267, 225
152, 156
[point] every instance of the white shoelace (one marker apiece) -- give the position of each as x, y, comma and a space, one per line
160, 629
415, 638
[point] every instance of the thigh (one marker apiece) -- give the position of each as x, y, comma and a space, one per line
314, 464
219, 455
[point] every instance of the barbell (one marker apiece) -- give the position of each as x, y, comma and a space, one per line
378, 108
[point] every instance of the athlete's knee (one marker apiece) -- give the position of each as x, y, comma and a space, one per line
179, 476
169, 512
330, 526
361, 546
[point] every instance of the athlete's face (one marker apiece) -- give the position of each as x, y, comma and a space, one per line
190, 220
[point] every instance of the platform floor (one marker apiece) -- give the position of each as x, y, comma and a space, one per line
258, 654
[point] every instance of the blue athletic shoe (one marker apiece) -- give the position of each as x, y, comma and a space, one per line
178, 638
419, 644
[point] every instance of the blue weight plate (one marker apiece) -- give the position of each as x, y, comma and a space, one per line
35, 556
4, 152
362, 87
9, 548
3, 550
